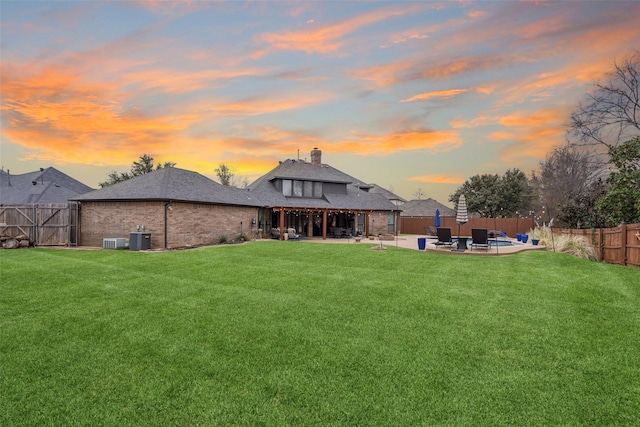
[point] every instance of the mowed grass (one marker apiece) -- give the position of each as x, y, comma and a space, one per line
294, 333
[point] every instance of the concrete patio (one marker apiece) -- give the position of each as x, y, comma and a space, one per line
410, 241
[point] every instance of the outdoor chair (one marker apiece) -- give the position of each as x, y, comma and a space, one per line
444, 237
430, 231
292, 234
480, 238
275, 233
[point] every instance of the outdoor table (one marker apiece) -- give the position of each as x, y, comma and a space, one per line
462, 243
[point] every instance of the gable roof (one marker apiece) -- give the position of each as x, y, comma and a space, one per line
44, 186
375, 188
425, 207
357, 196
173, 184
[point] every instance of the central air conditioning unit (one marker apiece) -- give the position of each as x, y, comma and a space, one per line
115, 243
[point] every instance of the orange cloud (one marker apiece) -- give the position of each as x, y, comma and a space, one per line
325, 39
533, 134
258, 106
438, 179
57, 116
435, 141
173, 81
444, 94
412, 70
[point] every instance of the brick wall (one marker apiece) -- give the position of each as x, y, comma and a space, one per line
187, 223
379, 223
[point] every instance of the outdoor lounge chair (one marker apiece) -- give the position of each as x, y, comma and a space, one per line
480, 238
444, 237
292, 234
430, 231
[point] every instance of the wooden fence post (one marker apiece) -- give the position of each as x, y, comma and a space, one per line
623, 243
601, 244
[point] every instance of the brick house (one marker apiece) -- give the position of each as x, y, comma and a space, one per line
178, 207
183, 208
318, 200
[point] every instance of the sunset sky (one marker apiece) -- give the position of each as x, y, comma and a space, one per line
408, 95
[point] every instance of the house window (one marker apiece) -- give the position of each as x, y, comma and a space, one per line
317, 190
391, 222
286, 187
298, 188
308, 189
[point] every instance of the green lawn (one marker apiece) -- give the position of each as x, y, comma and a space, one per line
294, 333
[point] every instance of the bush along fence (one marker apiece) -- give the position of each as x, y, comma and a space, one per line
618, 245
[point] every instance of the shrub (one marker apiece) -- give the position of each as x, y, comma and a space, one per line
243, 237
578, 246
222, 240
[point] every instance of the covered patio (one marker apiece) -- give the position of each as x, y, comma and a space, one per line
320, 222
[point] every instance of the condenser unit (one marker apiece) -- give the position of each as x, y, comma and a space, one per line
114, 243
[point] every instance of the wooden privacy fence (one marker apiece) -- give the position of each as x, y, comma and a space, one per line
511, 226
45, 224
619, 245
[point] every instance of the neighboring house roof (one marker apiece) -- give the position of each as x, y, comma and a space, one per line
375, 188
173, 184
426, 207
44, 186
357, 196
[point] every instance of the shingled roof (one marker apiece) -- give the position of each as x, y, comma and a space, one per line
173, 184
357, 196
44, 186
426, 207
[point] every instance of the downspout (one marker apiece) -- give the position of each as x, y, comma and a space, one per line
167, 207
77, 224
35, 224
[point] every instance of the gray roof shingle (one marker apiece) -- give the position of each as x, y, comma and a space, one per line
357, 197
174, 184
425, 207
44, 186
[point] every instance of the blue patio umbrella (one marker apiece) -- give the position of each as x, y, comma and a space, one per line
436, 221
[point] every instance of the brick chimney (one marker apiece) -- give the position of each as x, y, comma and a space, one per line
316, 157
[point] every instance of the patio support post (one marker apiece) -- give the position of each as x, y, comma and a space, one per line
324, 224
282, 224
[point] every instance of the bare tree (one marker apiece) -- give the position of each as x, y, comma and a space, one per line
611, 114
565, 175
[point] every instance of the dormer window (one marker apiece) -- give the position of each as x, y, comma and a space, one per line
299, 188
286, 187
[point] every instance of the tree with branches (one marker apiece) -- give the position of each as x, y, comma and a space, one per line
225, 174
621, 204
496, 196
566, 175
143, 166
611, 114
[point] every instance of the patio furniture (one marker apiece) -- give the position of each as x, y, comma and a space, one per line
275, 233
444, 237
430, 230
292, 234
480, 238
